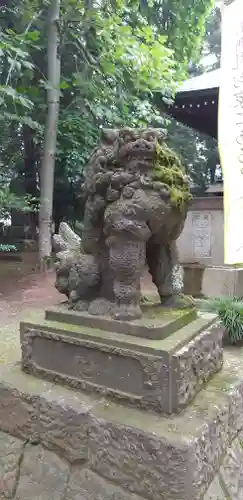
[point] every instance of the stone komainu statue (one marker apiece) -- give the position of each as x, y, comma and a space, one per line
136, 199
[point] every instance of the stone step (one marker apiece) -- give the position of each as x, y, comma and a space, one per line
124, 452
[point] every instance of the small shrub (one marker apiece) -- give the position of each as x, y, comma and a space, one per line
230, 313
7, 248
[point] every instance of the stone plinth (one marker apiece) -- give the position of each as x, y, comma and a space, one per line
161, 375
193, 277
59, 444
155, 324
213, 281
222, 281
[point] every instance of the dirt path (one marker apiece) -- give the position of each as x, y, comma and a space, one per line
20, 298
31, 292
35, 292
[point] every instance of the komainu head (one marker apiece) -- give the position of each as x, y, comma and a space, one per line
139, 159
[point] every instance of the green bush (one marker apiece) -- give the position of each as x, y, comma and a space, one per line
230, 312
7, 248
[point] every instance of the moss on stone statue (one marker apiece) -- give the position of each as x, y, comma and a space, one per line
187, 302
144, 195
158, 312
169, 170
179, 196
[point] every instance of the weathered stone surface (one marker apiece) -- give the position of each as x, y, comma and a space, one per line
11, 450
231, 472
18, 413
195, 363
136, 197
156, 323
236, 420
228, 382
192, 278
82, 364
64, 428
215, 491
212, 439
86, 485
43, 475
222, 281
141, 463
156, 458
140, 372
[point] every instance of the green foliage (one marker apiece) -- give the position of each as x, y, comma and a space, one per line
183, 22
230, 312
14, 61
7, 248
115, 57
9, 201
200, 152
140, 55
213, 37
118, 68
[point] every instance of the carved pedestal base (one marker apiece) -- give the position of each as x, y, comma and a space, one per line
96, 355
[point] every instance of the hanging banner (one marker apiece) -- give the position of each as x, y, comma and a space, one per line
230, 130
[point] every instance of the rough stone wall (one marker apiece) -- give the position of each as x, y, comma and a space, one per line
53, 447
228, 483
61, 451
30, 471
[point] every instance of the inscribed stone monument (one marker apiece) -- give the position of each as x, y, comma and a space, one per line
201, 230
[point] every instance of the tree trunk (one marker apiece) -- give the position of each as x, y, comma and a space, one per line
49, 152
30, 173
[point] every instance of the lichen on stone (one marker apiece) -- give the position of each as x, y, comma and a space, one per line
169, 170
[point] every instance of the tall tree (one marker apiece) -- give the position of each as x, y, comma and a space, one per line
183, 22
49, 146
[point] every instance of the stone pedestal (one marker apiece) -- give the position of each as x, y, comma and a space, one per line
193, 277
222, 281
213, 281
136, 426
162, 370
56, 443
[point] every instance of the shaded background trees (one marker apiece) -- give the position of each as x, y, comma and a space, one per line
200, 152
115, 57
